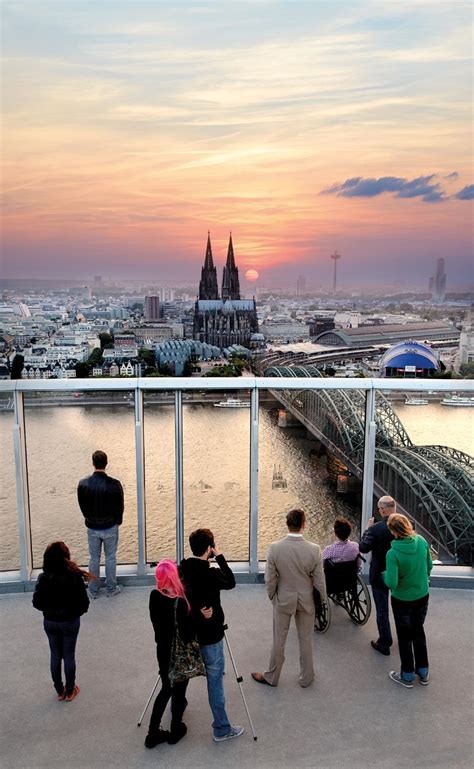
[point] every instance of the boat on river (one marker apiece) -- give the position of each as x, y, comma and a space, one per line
232, 403
416, 401
458, 400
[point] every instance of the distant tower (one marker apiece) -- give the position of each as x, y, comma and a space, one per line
208, 288
230, 276
335, 257
153, 309
440, 281
300, 285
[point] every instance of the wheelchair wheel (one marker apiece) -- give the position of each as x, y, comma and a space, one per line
357, 602
322, 618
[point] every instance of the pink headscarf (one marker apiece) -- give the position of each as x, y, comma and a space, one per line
168, 582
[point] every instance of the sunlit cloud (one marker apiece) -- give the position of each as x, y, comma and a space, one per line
128, 137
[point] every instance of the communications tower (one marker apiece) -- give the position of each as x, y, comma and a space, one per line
335, 256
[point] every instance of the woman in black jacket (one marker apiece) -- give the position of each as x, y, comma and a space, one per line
61, 595
169, 588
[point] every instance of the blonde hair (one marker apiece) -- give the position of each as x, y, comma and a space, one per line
400, 526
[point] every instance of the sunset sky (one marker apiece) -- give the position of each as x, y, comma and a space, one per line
132, 128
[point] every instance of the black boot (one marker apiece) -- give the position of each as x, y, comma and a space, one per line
156, 738
177, 733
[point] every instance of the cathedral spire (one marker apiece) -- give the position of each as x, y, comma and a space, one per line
208, 284
208, 261
230, 277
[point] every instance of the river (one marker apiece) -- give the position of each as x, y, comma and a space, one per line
216, 474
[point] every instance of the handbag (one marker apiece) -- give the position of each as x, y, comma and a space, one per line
185, 660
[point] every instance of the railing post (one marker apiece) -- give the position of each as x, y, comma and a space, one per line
253, 533
178, 426
22, 490
369, 460
140, 474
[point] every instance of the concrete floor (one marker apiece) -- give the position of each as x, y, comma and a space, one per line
352, 716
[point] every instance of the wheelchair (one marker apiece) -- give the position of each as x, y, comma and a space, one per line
345, 587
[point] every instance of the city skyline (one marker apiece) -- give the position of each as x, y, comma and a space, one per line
304, 129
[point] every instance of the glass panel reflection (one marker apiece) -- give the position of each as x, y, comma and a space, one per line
60, 443
311, 456
160, 483
9, 542
216, 427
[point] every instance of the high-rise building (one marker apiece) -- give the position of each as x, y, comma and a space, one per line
227, 321
153, 309
300, 285
438, 282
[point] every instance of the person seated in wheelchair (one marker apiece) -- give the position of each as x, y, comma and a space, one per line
342, 550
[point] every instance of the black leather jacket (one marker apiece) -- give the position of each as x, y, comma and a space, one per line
100, 498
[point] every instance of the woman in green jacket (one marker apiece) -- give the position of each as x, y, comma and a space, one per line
407, 576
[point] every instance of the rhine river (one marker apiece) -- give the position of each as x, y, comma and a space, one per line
216, 474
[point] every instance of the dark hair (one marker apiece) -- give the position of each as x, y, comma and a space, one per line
200, 540
99, 460
342, 528
57, 560
295, 519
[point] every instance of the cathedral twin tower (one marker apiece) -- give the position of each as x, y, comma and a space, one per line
208, 288
225, 321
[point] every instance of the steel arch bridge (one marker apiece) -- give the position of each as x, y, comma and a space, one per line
432, 484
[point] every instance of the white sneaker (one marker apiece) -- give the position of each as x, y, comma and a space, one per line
234, 731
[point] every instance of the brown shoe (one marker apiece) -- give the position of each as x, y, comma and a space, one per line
62, 696
260, 678
73, 695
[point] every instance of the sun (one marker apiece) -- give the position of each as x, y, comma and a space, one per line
251, 276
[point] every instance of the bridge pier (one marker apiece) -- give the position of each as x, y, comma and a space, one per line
286, 419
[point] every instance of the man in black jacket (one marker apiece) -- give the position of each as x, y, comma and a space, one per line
101, 501
377, 540
203, 585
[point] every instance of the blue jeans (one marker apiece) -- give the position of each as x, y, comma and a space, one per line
62, 637
409, 620
109, 537
380, 595
213, 656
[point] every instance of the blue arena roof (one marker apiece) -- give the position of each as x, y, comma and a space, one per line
410, 353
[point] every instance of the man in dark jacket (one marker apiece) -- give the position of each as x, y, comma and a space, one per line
203, 585
101, 501
377, 539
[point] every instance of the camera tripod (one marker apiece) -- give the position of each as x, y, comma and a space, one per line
238, 678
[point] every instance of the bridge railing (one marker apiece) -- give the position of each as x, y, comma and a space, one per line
139, 389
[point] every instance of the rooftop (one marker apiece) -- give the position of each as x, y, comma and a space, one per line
352, 715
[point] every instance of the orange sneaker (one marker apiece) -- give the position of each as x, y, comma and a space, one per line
73, 695
62, 696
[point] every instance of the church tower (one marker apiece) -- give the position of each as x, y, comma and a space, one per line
208, 288
230, 277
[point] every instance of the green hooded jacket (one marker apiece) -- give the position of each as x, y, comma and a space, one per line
409, 566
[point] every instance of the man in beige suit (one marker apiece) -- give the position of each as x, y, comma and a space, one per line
294, 567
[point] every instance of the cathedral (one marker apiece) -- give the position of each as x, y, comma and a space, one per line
227, 320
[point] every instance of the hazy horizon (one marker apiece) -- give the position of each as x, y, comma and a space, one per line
133, 128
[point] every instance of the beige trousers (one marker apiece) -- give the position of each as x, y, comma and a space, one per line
305, 628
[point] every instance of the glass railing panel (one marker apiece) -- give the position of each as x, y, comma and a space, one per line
160, 475
62, 431
434, 439
216, 439
303, 437
436, 418
9, 541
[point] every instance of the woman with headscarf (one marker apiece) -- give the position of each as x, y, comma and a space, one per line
61, 595
169, 588
408, 567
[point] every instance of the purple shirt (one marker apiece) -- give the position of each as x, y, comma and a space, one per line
342, 551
